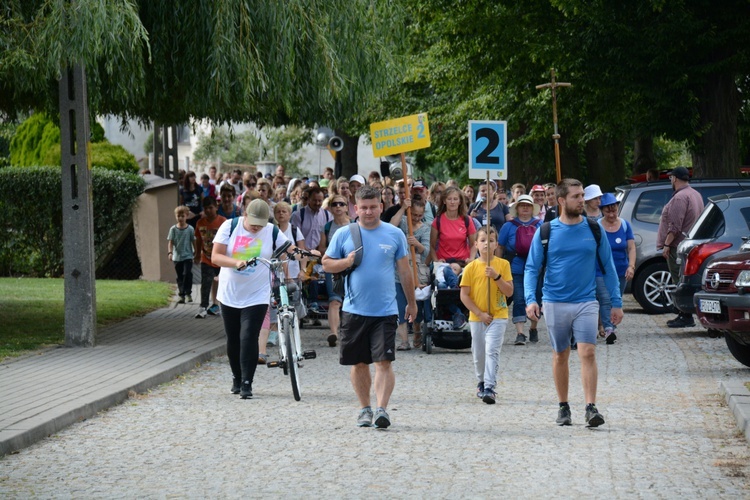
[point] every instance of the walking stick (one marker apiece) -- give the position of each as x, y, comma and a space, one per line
489, 257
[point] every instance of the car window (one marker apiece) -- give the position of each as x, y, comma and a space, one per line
709, 225
650, 204
707, 192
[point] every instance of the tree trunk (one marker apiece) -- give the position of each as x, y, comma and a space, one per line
716, 152
605, 159
643, 155
348, 154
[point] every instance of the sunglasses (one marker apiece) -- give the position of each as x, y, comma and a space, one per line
338, 204
252, 185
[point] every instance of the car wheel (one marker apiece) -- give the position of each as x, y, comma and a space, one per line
741, 352
653, 287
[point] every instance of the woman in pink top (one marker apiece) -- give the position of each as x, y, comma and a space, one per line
453, 232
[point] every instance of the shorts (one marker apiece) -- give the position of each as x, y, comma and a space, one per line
329, 289
566, 318
367, 339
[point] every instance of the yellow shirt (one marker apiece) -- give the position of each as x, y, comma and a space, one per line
474, 278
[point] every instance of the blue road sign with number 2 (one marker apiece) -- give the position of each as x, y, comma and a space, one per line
488, 149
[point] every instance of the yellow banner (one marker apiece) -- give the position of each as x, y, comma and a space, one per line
400, 135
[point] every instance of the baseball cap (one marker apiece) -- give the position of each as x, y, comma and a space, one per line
257, 213
592, 191
357, 178
681, 173
538, 187
418, 184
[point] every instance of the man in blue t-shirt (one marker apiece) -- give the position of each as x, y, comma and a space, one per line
569, 294
369, 315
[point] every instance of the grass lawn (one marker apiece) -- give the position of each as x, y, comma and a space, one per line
32, 313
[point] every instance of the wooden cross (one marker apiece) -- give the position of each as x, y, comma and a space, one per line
556, 136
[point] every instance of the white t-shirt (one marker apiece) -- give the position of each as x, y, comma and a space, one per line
252, 285
293, 265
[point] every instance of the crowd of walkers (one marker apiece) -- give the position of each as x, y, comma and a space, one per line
463, 234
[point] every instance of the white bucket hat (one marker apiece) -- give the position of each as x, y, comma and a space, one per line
592, 191
524, 198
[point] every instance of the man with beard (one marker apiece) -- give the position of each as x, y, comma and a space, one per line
569, 293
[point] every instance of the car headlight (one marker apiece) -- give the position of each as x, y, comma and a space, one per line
743, 279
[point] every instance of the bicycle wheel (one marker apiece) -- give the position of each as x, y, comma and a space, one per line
291, 358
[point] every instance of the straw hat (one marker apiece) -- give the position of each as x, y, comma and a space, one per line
524, 198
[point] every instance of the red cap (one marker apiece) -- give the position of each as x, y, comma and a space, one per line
538, 187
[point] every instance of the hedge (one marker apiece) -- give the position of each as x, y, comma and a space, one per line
31, 201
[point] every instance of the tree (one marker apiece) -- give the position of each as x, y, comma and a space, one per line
297, 61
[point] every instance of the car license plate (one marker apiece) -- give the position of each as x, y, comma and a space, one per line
710, 306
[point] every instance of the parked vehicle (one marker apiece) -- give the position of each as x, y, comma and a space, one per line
716, 234
723, 304
641, 205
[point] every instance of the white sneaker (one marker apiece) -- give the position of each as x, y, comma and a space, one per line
201, 313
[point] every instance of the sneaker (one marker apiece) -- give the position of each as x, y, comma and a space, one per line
201, 313
533, 335
235, 386
365, 417
246, 391
189, 298
480, 390
593, 417
489, 396
332, 338
611, 338
459, 321
181, 300
682, 321
382, 420
520, 339
563, 416
315, 308
214, 310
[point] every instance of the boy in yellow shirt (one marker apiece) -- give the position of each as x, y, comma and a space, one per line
487, 320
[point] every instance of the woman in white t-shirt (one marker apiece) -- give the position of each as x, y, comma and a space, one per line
244, 292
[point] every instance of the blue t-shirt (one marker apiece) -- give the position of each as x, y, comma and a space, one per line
618, 241
571, 265
371, 288
507, 239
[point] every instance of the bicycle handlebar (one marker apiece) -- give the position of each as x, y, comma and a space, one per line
276, 261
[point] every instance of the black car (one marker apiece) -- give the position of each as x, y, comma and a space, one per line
717, 233
641, 205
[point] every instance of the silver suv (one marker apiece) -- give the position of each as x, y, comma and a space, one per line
641, 205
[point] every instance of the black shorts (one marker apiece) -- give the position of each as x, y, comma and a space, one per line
367, 339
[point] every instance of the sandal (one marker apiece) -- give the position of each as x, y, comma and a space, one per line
404, 346
262, 358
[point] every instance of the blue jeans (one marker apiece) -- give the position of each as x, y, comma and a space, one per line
519, 301
605, 302
424, 307
486, 344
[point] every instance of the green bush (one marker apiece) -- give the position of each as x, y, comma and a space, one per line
103, 154
33, 138
32, 225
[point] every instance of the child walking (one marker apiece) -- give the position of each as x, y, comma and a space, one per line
487, 318
180, 249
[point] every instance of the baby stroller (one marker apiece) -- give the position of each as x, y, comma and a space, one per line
441, 331
319, 303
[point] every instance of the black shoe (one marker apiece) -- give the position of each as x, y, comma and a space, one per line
593, 417
246, 392
682, 321
611, 338
563, 416
533, 335
235, 386
489, 396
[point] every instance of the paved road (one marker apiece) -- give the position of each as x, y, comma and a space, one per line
668, 434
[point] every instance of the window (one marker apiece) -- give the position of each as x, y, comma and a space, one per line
650, 204
709, 225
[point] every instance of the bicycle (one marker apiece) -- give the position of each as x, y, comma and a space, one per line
290, 345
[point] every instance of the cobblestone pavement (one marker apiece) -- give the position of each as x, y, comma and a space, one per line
668, 434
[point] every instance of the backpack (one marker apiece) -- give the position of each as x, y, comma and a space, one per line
524, 235
236, 221
596, 229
